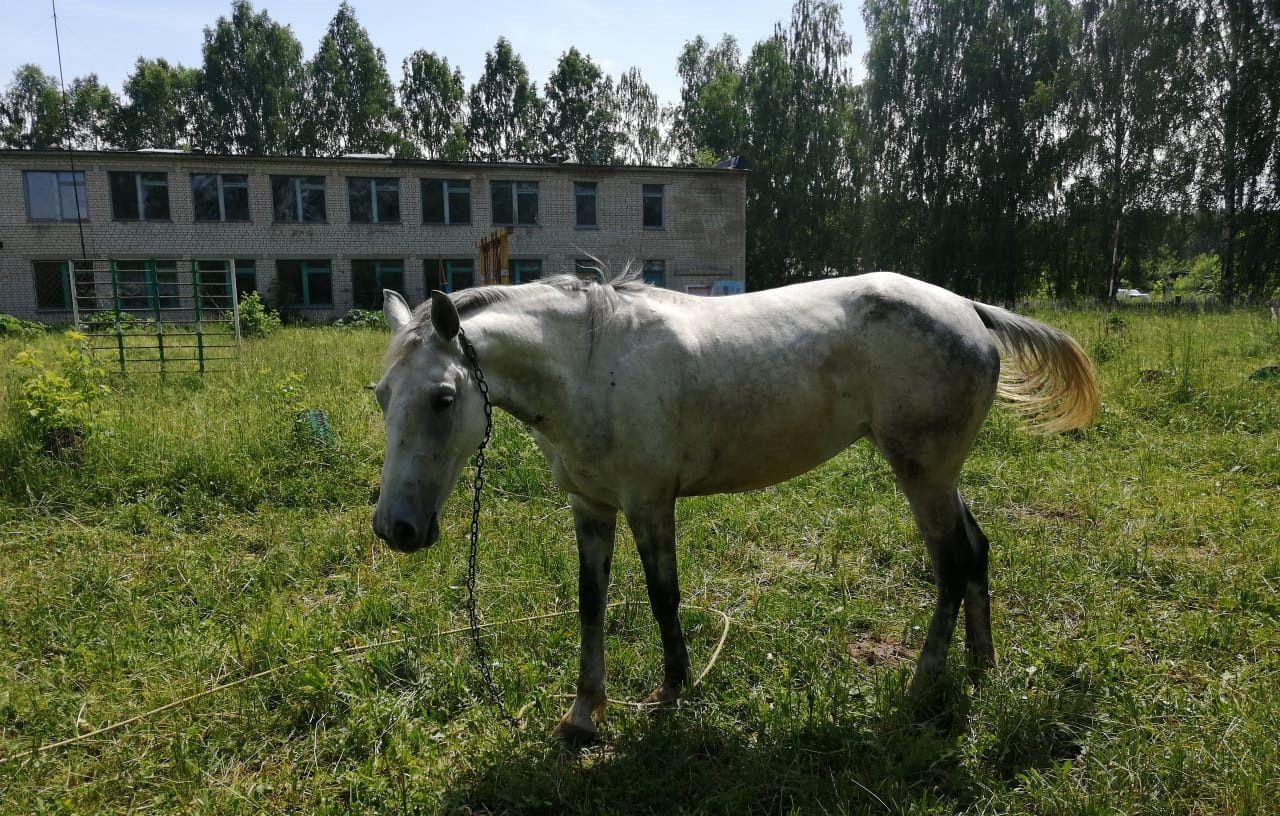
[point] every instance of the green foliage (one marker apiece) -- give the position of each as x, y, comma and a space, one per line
103, 321
711, 117
801, 205
1130, 80
55, 400
252, 86
642, 122
580, 124
161, 108
432, 97
505, 113
31, 115
94, 112
362, 319
351, 99
1203, 277
11, 326
256, 320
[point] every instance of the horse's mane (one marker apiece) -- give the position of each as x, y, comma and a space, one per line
603, 295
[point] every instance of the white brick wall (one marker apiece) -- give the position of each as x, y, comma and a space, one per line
703, 240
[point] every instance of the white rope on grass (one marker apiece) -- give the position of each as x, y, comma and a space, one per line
353, 650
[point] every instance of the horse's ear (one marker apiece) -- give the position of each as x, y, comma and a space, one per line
444, 315
395, 310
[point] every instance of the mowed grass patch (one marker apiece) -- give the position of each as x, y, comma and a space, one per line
197, 538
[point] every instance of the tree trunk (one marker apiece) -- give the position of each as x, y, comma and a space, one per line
1112, 277
1117, 204
1230, 136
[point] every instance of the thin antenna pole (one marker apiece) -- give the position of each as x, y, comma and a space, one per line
66, 141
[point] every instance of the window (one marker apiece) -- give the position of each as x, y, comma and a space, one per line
585, 198
374, 200
298, 199
53, 284
220, 196
213, 284
306, 283
369, 278
55, 196
653, 206
655, 273
147, 285
449, 275
588, 267
139, 196
246, 277
446, 201
524, 270
213, 281
514, 202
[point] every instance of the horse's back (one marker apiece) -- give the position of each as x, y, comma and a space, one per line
753, 389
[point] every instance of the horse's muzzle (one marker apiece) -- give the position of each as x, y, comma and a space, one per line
406, 537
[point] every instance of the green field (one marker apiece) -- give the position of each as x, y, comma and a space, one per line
197, 538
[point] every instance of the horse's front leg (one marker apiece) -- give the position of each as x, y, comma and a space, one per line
595, 526
654, 528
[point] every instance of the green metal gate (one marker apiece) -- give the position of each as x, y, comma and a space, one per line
158, 316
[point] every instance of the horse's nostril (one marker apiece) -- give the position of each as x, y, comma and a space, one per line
402, 532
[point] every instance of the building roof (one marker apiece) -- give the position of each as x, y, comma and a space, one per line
730, 166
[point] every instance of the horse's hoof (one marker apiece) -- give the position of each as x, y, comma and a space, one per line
663, 696
573, 735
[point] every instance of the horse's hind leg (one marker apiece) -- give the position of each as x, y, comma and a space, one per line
939, 514
979, 648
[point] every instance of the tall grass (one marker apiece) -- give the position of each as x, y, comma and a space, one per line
198, 537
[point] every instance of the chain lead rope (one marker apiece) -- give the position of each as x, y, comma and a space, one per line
477, 486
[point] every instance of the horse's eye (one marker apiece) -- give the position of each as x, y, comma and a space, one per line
441, 402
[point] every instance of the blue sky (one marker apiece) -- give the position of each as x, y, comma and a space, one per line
106, 36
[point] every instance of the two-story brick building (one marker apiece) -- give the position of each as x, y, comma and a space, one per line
325, 235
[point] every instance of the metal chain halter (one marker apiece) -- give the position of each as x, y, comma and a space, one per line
477, 485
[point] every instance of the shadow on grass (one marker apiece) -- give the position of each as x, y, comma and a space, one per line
679, 762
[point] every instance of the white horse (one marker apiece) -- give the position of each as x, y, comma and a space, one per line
638, 396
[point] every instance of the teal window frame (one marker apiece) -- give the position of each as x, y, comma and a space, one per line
159, 283
384, 272
655, 272
519, 267
65, 284
246, 269
308, 268
451, 267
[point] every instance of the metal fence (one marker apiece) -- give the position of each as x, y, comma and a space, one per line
157, 316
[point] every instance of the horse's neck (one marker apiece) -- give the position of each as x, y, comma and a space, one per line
527, 357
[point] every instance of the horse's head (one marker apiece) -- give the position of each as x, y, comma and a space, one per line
435, 420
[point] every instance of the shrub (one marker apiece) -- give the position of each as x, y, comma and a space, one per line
106, 321
362, 319
256, 320
55, 398
11, 326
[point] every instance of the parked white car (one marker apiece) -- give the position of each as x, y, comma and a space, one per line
1132, 294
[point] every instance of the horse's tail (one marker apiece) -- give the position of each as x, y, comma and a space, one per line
1053, 383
